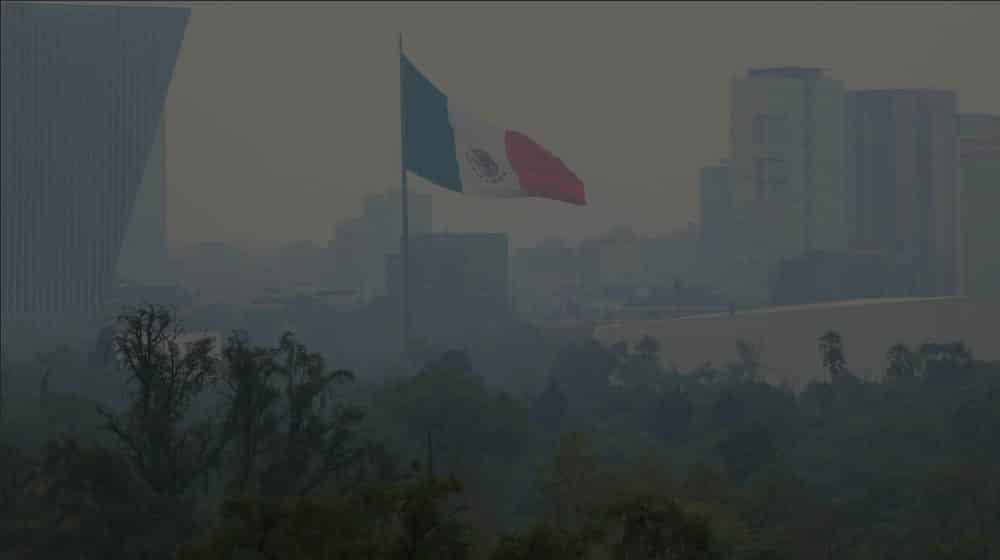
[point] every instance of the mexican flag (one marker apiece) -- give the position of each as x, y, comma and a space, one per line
458, 150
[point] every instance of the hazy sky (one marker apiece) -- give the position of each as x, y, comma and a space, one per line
281, 116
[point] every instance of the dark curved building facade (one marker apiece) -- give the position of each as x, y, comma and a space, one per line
83, 94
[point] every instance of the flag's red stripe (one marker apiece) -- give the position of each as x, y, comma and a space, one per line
540, 173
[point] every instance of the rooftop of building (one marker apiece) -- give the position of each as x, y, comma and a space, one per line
131, 7
788, 72
723, 165
902, 91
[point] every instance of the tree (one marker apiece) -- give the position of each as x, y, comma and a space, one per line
729, 410
451, 361
313, 436
648, 346
620, 350
818, 396
749, 359
958, 505
80, 502
746, 449
570, 483
64, 413
249, 374
540, 541
642, 368
832, 349
943, 361
672, 415
402, 520
429, 525
655, 528
903, 362
307, 528
704, 483
550, 407
465, 429
16, 471
3, 385
583, 370
168, 453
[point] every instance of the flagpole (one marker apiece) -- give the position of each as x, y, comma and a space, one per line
405, 238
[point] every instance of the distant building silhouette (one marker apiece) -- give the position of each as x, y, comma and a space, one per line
786, 161
668, 256
546, 279
822, 277
612, 261
903, 173
980, 161
360, 245
83, 93
459, 284
716, 210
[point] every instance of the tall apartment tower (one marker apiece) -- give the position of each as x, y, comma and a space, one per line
786, 166
903, 172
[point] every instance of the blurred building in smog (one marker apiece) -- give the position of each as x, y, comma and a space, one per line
671, 256
360, 245
785, 171
459, 284
612, 261
716, 236
835, 276
979, 150
546, 280
822, 184
904, 198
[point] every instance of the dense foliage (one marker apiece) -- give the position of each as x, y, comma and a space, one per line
265, 452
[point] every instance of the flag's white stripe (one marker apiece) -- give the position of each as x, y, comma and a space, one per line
481, 152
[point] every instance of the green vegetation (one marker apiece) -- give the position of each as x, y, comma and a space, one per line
265, 452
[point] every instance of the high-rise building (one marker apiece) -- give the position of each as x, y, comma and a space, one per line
83, 92
787, 156
903, 175
979, 138
785, 172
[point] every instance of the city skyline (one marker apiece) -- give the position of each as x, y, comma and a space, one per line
325, 129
